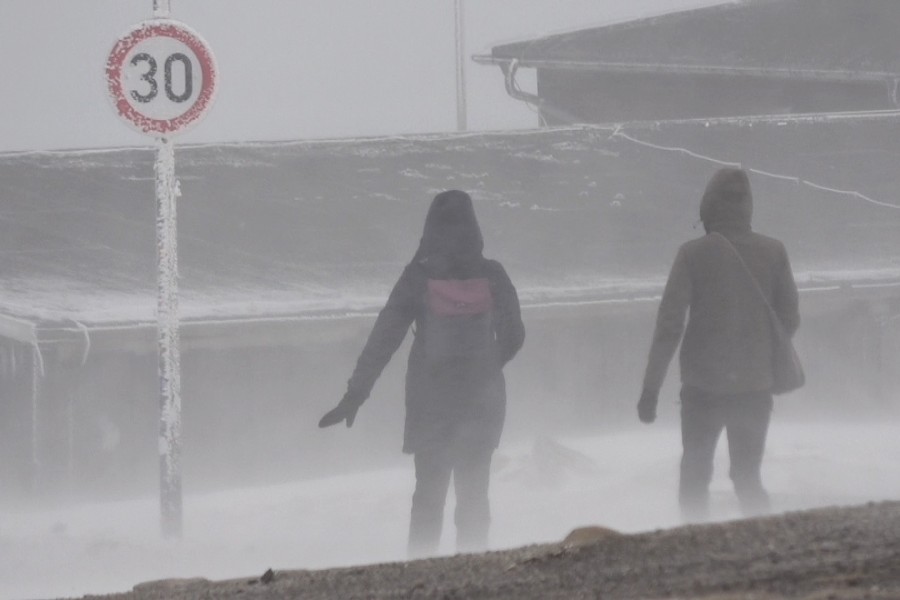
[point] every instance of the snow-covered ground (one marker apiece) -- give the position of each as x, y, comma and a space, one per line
624, 480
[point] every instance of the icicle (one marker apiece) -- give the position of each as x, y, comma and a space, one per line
37, 372
87, 340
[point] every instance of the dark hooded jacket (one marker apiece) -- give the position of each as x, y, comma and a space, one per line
727, 345
453, 403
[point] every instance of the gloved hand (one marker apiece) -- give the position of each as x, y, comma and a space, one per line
344, 411
647, 406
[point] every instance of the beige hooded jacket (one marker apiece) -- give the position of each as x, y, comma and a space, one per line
727, 345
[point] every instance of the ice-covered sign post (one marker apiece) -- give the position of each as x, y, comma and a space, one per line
161, 77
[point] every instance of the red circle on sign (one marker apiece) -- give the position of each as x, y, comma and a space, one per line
115, 63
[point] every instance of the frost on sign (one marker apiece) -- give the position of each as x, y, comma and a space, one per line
161, 77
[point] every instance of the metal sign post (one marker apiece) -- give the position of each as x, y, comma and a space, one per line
161, 78
161, 8
460, 31
167, 336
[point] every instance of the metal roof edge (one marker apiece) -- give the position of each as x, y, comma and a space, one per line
681, 69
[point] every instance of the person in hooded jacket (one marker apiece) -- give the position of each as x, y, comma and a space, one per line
455, 409
726, 354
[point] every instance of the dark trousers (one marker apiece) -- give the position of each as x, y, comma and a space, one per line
470, 467
745, 418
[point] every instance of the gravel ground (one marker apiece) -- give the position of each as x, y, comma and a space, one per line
842, 553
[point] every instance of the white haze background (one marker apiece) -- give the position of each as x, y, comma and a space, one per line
288, 70
335, 68
625, 480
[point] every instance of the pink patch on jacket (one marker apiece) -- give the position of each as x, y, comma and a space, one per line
453, 297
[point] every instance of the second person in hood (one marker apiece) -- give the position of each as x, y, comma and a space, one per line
721, 284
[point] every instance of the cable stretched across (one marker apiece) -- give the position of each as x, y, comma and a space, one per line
618, 133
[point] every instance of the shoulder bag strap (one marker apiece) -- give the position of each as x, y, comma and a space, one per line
762, 296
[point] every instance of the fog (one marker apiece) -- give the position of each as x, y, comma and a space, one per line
288, 250
624, 479
320, 69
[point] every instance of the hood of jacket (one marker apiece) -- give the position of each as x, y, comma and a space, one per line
727, 202
451, 237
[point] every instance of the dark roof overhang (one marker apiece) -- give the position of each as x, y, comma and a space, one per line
726, 71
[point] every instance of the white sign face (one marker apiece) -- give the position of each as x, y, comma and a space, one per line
161, 77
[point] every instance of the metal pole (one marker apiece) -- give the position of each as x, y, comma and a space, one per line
162, 8
169, 358
460, 68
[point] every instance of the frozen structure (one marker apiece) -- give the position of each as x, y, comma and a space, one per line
287, 250
754, 57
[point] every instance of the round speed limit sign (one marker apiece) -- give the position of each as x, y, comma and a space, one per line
161, 77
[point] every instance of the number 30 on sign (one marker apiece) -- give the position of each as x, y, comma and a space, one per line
161, 77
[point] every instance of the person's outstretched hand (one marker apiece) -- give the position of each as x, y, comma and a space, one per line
647, 406
344, 411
